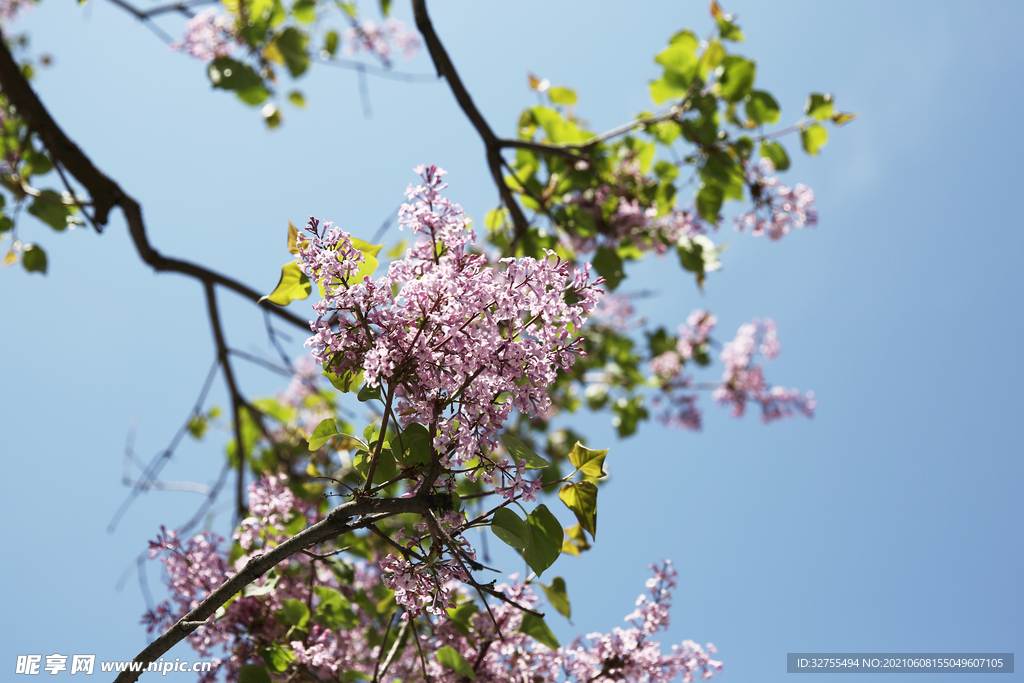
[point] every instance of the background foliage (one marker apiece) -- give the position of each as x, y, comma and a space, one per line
851, 532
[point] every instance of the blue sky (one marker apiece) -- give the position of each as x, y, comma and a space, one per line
886, 524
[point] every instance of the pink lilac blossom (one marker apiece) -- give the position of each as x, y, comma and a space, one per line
743, 380
303, 394
9, 9
208, 35
778, 209
615, 311
458, 342
681, 411
367, 37
631, 220
249, 623
519, 486
252, 622
695, 333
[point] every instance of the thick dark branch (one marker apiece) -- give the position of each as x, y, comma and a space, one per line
105, 193
368, 511
238, 401
491, 142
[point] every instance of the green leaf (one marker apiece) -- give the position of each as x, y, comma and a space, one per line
346, 381
229, 74
295, 612
546, 539
277, 658
386, 468
297, 98
304, 10
581, 498
680, 59
462, 617
50, 209
535, 627
271, 115
253, 673
736, 78
776, 153
520, 451
819, 106
662, 90
508, 526
839, 118
591, 463
762, 107
608, 264
728, 30
296, 524
699, 255
417, 443
450, 659
629, 412
813, 138
370, 262
709, 201
331, 42
334, 610
37, 163
558, 597
293, 285
292, 44
33, 259
560, 95
324, 432
385, 7
558, 129
721, 170
368, 393
712, 58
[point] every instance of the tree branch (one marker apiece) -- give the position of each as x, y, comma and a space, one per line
369, 511
107, 194
491, 142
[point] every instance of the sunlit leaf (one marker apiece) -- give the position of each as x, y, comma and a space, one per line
819, 106
534, 626
450, 659
813, 138
520, 451
293, 285
581, 498
324, 432
557, 596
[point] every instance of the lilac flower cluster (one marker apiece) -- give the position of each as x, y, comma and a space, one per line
615, 311
778, 209
681, 404
428, 586
460, 343
624, 654
630, 219
195, 567
208, 35
370, 38
9, 9
744, 380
